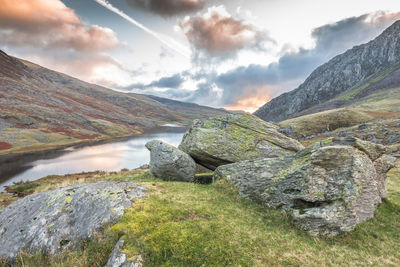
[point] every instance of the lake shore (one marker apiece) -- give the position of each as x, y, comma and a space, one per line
13, 165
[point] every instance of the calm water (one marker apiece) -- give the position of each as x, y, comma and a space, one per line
104, 157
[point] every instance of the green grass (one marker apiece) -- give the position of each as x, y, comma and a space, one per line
185, 224
22, 189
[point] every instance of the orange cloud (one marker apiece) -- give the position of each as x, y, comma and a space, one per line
50, 24
217, 32
250, 102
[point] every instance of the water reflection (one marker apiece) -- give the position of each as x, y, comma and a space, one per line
105, 157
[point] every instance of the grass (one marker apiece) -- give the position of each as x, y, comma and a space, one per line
185, 224
326, 121
378, 106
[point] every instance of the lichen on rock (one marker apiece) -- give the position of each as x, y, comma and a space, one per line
169, 163
235, 137
329, 187
61, 218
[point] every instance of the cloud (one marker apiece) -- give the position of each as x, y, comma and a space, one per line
217, 33
30, 29
168, 8
49, 24
294, 66
247, 87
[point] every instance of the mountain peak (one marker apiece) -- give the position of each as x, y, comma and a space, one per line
340, 74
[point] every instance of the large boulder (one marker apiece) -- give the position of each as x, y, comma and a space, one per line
169, 163
329, 187
61, 218
235, 137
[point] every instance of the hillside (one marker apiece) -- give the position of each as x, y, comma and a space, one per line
359, 72
370, 112
43, 109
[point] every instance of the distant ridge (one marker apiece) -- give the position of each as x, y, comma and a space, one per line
354, 69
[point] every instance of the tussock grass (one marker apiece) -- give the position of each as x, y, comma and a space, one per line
184, 224
327, 121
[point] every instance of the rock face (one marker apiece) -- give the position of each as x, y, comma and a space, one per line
235, 137
330, 187
344, 72
169, 163
61, 218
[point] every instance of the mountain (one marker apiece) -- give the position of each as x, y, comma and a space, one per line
41, 109
359, 72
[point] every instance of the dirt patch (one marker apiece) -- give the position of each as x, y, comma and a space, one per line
5, 146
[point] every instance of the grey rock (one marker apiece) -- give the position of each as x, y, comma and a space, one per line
382, 165
119, 259
235, 137
287, 131
169, 163
393, 139
54, 220
329, 187
201, 169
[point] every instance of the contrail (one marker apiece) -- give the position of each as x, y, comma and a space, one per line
172, 44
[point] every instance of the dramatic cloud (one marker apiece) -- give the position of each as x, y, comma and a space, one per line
248, 87
168, 8
30, 29
217, 33
50, 24
174, 81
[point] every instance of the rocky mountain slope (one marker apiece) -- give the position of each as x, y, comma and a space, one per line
40, 108
355, 74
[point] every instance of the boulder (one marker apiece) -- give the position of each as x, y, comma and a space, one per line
58, 219
169, 163
329, 187
235, 137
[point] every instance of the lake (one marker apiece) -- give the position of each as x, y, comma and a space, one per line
115, 156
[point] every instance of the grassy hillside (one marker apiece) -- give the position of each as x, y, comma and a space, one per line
43, 109
183, 224
377, 114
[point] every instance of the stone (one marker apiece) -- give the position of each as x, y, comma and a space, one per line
393, 139
288, 130
382, 165
62, 218
235, 137
201, 169
373, 150
120, 259
169, 163
329, 187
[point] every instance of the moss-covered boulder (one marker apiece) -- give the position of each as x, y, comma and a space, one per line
235, 137
329, 187
62, 218
169, 163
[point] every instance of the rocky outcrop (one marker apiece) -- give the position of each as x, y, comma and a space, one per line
344, 72
329, 187
54, 220
235, 137
120, 259
169, 163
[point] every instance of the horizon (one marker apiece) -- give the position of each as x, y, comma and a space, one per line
235, 55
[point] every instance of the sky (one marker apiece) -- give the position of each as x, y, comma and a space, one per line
236, 54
